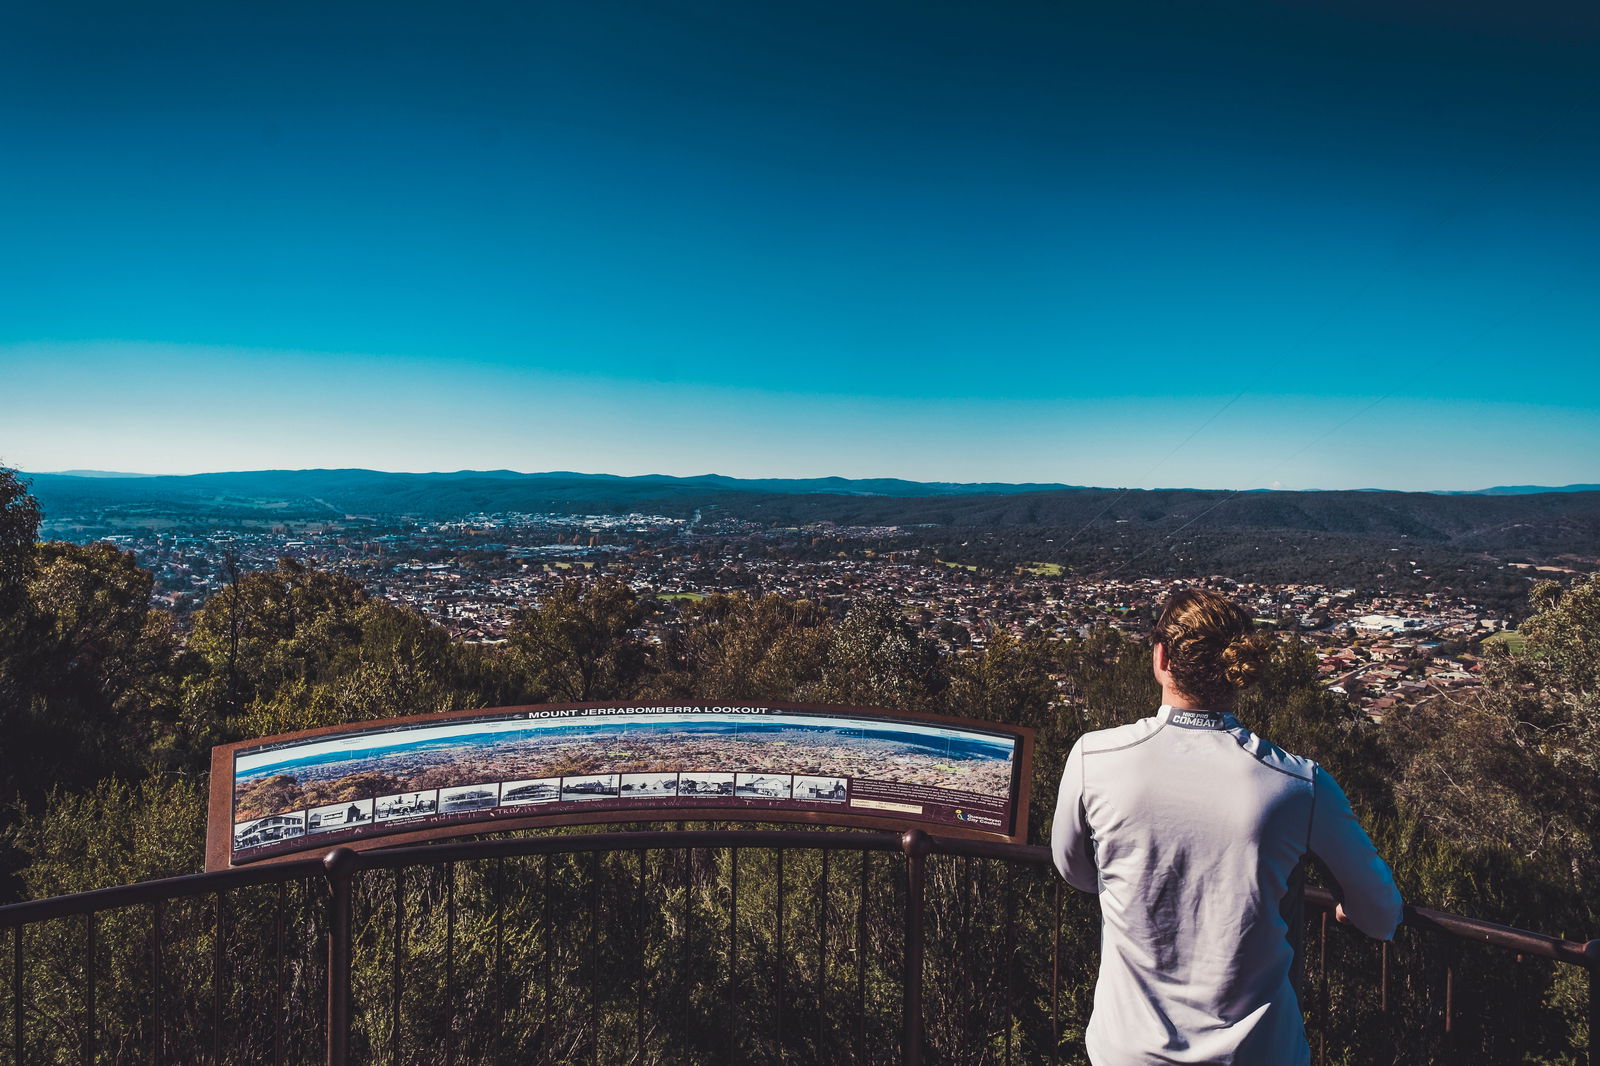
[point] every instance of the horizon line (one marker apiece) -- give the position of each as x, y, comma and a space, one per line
87, 474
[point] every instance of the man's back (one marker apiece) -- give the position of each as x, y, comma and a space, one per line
1192, 830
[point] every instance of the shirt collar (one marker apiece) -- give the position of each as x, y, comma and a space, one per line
1190, 718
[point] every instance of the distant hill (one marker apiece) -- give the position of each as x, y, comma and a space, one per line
1544, 523
1524, 490
445, 494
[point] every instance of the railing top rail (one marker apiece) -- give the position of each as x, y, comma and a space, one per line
1508, 938
642, 840
1505, 937
103, 899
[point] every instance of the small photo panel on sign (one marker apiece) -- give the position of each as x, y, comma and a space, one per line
649, 786
521, 793
468, 798
407, 805
351, 814
589, 787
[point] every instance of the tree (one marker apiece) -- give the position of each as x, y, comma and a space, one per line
739, 648
580, 644
876, 657
92, 669
19, 529
1517, 764
272, 626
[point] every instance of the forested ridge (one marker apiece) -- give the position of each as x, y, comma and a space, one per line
1487, 804
1549, 522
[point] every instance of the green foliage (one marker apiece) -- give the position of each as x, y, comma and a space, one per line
875, 658
733, 647
1486, 805
19, 529
292, 649
114, 833
580, 645
273, 626
1516, 765
89, 679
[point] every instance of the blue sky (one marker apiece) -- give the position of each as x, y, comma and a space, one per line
1349, 244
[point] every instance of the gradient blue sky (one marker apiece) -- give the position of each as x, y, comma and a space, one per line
1352, 244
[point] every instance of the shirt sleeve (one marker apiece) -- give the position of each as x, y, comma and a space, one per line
1365, 885
1070, 843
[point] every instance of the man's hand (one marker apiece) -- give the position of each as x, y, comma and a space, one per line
1339, 915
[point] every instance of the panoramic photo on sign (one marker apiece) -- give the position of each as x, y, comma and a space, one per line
440, 774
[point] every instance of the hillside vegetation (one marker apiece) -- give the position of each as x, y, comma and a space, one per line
1489, 805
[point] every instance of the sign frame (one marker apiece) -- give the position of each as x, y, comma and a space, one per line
220, 810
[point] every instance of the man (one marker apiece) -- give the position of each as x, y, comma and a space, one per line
1192, 830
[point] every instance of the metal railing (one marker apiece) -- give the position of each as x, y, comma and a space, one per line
327, 916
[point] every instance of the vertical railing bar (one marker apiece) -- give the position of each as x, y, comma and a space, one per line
1592, 961
396, 987
218, 963
861, 956
89, 1049
277, 978
17, 1031
314, 918
916, 844
339, 866
777, 935
1011, 955
1383, 976
688, 922
157, 915
980, 892
450, 963
1449, 986
499, 957
545, 1027
1591, 954
733, 952
822, 936
965, 996
594, 957
639, 937
1055, 977
1322, 989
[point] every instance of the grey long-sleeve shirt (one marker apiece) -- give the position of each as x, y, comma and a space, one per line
1191, 829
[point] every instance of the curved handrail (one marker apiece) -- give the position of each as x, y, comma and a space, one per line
1509, 938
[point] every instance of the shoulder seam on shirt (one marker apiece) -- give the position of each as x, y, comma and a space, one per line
1269, 766
1133, 744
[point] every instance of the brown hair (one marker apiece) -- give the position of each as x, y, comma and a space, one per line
1213, 648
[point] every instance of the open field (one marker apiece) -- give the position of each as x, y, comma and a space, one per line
1515, 642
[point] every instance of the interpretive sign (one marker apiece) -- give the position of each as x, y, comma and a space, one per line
406, 779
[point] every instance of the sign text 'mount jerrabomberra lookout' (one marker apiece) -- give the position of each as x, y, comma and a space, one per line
405, 779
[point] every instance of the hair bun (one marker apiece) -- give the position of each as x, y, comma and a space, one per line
1212, 649
1243, 659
